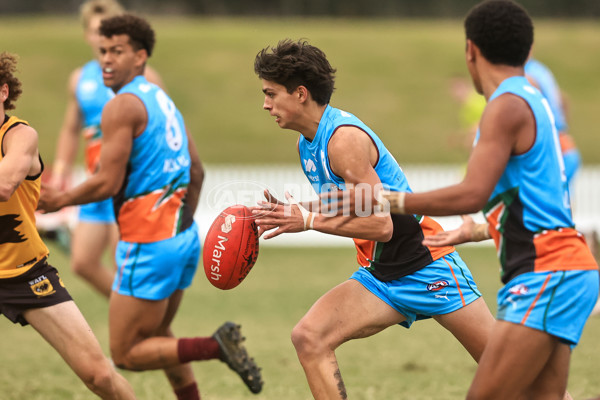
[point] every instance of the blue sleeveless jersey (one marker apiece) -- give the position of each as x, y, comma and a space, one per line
529, 211
151, 205
549, 88
404, 253
92, 96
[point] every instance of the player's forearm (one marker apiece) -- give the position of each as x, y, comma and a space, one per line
94, 189
452, 200
374, 227
66, 152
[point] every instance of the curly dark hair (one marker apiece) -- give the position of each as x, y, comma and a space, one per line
8, 66
294, 64
502, 30
141, 35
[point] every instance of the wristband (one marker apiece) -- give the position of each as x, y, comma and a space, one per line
394, 199
480, 232
307, 216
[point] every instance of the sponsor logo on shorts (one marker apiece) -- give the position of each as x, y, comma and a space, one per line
41, 286
444, 296
519, 289
435, 286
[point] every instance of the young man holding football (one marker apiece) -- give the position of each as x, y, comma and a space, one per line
158, 251
516, 175
398, 278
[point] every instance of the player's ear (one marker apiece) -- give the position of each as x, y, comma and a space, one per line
141, 56
4, 92
302, 93
471, 50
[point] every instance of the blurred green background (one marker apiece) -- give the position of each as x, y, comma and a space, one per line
393, 74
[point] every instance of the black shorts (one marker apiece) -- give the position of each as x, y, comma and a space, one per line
37, 288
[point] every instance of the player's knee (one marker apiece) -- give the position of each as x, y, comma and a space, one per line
121, 360
99, 378
305, 339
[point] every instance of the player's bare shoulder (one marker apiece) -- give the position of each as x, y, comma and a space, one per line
24, 135
125, 109
349, 147
510, 116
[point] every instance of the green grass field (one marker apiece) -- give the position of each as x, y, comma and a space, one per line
393, 74
422, 363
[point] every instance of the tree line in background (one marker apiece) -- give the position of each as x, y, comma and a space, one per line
335, 8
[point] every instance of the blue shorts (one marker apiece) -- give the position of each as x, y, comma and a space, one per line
444, 286
154, 271
101, 212
557, 302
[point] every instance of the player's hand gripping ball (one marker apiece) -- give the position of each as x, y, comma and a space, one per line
230, 247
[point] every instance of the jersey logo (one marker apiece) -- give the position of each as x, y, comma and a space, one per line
309, 165
9, 234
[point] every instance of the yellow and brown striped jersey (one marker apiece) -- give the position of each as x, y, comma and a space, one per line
20, 243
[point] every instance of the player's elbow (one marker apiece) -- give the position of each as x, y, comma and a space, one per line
472, 199
109, 189
6, 190
385, 232
475, 203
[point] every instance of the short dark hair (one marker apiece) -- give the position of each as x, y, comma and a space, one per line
8, 67
141, 34
502, 30
297, 63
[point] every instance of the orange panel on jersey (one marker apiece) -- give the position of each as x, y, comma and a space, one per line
92, 156
566, 142
364, 251
563, 249
430, 227
151, 218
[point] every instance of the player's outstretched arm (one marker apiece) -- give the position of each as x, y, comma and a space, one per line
123, 118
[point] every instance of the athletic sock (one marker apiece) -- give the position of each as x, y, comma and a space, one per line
189, 392
199, 348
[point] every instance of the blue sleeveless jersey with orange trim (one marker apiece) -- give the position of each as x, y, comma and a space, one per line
151, 205
404, 253
529, 211
92, 96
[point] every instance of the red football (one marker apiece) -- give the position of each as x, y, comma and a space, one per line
230, 247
